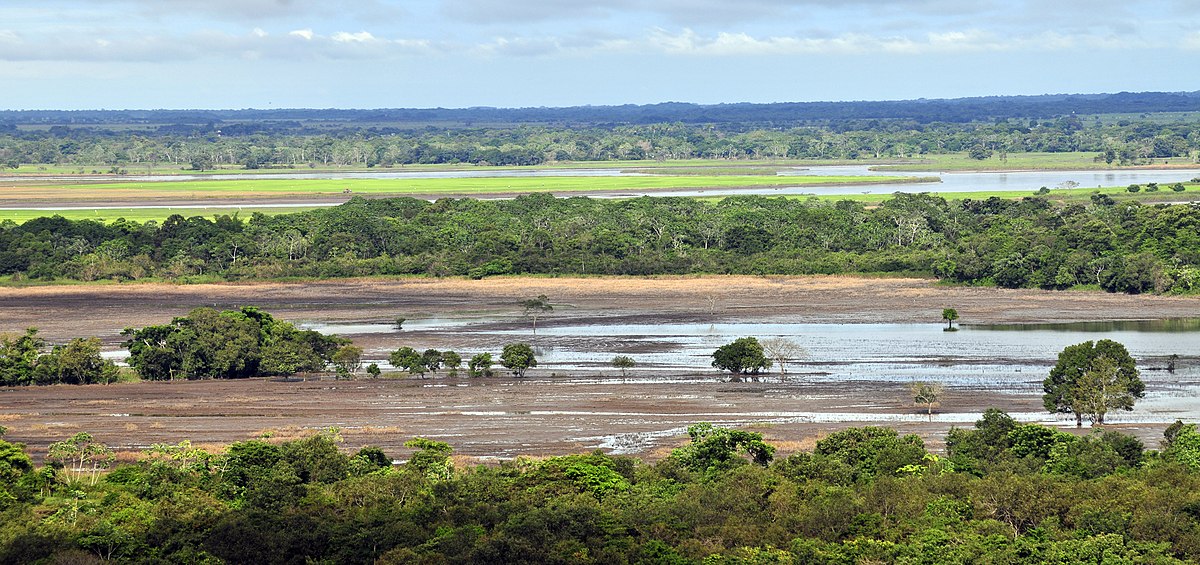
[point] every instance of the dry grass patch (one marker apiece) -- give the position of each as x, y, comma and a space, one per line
52, 426
285, 434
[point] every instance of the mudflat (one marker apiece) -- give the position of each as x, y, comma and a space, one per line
548, 412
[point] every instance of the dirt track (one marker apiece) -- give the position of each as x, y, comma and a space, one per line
502, 416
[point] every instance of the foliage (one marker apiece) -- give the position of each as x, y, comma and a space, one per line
744, 356
77, 362
622, 363
347, 360
18, 357
480, 365
518, 357
211, 344
1185, 447
534, 307
1091, 378
949, 314
451, 361
408, 359
780, 351
863, 495
871, 451
927, 393
717, 449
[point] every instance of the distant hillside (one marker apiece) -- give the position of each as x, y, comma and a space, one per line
940, 110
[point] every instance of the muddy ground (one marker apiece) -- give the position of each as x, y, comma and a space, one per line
545, 413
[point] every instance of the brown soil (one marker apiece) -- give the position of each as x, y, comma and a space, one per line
502, 416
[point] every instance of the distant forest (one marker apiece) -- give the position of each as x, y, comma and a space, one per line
957, 110
85, 140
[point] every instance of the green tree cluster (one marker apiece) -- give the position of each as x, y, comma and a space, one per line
24, 361
744, 356
212, 344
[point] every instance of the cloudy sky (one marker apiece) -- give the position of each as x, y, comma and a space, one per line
79, 54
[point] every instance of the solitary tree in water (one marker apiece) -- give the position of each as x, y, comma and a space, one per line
535, 307
949, 314
742, 357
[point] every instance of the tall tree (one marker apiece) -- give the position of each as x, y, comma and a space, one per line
535, 307
780, 350
518, 357
1084, 385
928, 394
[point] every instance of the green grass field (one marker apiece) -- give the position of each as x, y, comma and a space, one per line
488, 185
143, 215
1077, 195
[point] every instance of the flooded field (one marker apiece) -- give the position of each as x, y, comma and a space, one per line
999, 358
865, 340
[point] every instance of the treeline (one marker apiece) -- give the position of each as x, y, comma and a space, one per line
1033, 243
1005, 493
269, 144
923, 110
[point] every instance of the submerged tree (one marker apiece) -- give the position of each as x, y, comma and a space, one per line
949, 314
928, 394
535, 307
518, 357
744, 356
1092, 378
622, 363
781, 350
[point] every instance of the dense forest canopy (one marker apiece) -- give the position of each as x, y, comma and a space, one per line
922, 110
1005, 492
1120, 247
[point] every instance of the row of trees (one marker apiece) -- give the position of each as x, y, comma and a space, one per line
1122, 247
202, 148
516, 357
1004, 492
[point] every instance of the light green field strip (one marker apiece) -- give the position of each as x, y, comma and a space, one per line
1082, 195
143, 215
489, 185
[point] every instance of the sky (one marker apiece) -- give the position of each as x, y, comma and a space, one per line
150, 54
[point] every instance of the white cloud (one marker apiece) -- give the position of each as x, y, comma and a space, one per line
306, 34
1191, 41
688, 42
360, 37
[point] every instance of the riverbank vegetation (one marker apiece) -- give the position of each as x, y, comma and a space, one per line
1003, 492
1033, 243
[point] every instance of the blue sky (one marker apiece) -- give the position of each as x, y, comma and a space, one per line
115, 54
